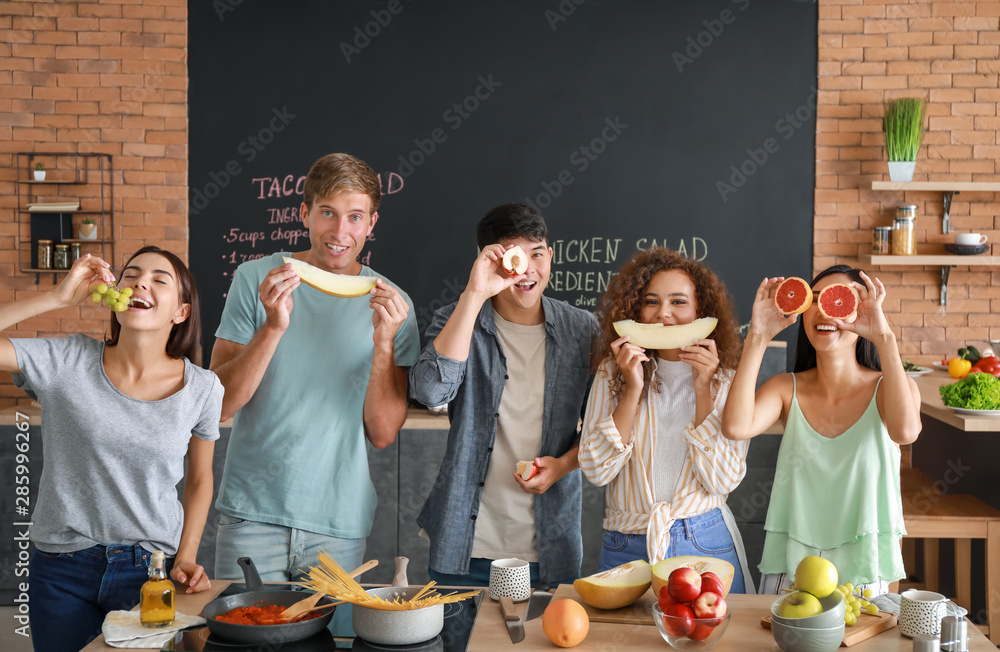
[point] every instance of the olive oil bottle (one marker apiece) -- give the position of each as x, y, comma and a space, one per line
156, 605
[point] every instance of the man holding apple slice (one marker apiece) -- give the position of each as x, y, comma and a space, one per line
514, 367
309, 378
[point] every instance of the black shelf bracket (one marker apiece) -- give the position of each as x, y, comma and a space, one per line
945, 273
946, 217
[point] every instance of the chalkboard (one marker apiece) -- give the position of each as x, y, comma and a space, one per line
629, 124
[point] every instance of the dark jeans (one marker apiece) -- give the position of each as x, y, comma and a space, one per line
70, 593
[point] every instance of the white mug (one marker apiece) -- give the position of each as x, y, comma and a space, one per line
920, 612
510, 578
970, 239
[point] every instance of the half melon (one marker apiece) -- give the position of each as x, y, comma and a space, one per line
721, 567
658, 336
344, 286
616, 587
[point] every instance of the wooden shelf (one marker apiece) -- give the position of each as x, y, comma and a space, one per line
38, 270
938, 186
949, 188
54, 182
945, 261
932, 259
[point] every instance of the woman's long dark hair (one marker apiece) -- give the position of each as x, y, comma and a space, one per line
864, 350
185, 337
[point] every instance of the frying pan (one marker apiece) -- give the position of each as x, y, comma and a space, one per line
255, 596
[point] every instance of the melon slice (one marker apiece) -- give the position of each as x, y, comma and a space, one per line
344, 286
515, 261
616, 587
721, 567
658, 336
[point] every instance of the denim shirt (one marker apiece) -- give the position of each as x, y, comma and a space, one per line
472, 390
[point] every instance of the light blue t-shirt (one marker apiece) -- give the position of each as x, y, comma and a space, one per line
297, 455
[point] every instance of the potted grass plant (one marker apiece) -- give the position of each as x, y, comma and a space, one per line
39, 171
903, 124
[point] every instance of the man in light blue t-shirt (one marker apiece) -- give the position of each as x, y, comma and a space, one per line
309, 377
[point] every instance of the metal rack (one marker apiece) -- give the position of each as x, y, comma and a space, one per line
63, 170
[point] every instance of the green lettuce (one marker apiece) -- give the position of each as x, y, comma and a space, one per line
976, 391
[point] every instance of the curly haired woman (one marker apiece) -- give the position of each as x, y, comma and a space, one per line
652, 429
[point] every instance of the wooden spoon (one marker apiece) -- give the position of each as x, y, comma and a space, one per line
305, 605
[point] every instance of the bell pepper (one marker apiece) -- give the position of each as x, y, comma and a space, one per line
959, 368
988, 364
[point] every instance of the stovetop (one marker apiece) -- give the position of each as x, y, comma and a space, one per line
459, 617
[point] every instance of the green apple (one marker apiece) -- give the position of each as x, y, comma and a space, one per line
816, 575
800, 605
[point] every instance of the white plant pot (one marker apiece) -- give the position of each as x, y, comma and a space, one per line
901, 170
88, 232
39, 175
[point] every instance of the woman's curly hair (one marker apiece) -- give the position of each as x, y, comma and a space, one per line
624, 299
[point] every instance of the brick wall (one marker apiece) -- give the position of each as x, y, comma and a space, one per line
107, 77
947, 53
112, 77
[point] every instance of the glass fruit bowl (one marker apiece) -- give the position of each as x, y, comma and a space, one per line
690, 633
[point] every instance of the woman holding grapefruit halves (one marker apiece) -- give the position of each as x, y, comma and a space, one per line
846, 409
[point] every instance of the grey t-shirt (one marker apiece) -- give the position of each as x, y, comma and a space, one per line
111, 463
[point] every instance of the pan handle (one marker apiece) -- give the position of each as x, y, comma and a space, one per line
250, 574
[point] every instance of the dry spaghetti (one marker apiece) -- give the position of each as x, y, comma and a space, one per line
332, 580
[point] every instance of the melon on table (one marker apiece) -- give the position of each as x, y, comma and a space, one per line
344, 286
616, 587
721, 567
658, 336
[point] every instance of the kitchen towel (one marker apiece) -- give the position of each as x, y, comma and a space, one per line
122, 629
889, 602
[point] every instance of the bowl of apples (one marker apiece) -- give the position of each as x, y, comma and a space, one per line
691, 612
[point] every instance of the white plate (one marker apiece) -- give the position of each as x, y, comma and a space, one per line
938, 365
969, 412
919, 372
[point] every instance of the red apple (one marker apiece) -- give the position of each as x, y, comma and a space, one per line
711, 582
682, 623
711, 606
701, 632
665, 600
684, 585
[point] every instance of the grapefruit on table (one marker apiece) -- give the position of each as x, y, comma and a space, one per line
794, 296
838, 301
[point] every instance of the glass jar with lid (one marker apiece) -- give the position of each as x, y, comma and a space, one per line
60, 260
904, 241
44, 254
881, 240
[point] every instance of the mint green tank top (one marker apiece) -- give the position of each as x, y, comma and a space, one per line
838, 498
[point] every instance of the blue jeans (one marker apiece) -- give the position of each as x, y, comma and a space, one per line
70, 593
703, 536
283, 554
479, 575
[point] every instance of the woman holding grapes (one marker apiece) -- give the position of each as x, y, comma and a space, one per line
120, 417
846, 409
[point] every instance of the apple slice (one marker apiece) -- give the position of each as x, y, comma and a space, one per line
658, 336
336, 285
527, 470
515, 261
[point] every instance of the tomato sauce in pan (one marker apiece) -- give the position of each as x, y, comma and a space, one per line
269, 615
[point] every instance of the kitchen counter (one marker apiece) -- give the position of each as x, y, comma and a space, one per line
931, 405
490, 632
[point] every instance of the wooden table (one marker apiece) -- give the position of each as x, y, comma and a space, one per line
490, 632
744, 633
932, 406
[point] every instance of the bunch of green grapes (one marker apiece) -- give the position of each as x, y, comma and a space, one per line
854, 601
112, 297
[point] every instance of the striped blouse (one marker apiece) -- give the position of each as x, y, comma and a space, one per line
714, 467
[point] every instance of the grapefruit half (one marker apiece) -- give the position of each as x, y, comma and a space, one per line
794, 296
838, 301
